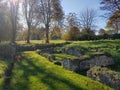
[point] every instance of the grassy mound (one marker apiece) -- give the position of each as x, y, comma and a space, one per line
35, 72
109, 47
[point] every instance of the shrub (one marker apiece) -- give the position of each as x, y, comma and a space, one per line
73, 34
7, 51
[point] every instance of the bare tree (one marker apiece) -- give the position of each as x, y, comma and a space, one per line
110, 5
113, 13
30, 15
47, 12
87, 18
72, 20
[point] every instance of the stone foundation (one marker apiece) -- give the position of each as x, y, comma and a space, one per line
106, 76
78, 64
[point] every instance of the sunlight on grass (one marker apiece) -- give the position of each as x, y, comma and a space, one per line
35, 72
61, 56
112, 47
40, 42
3, 66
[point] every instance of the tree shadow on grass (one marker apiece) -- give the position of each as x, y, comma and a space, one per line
48, 79
8, 75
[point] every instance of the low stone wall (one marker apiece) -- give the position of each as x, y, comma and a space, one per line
106, 76
78, 64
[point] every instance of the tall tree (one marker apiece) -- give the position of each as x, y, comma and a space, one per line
87, 19
47, 12
113, 13
30, 15
114, 22
58, 12
110, 5
5, 25
13, 10
72, 20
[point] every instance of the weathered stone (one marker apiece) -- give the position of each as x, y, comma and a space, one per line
69, 64
78, 64
71, 51
96, 61
106, 76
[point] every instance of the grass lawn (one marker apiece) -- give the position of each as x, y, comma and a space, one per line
60, 57
40, 42
35, 72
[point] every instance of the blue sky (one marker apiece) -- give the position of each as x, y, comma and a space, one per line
78, 6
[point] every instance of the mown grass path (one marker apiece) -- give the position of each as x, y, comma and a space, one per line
35, 72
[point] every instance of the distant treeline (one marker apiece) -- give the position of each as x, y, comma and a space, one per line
106, 36
96, 37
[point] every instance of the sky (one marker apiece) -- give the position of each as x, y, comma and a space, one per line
78, 6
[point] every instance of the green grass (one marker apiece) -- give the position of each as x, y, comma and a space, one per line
108, 47
112, 47
35, 72
60, 57
33, 42
3, 65
96, 44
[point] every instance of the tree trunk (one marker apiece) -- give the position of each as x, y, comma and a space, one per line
13, 29
13, 36
28, 36
47, 33
117, 29
13, 16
